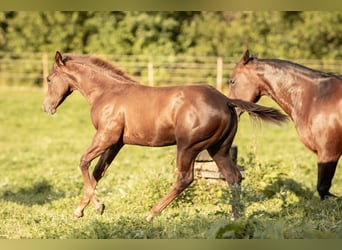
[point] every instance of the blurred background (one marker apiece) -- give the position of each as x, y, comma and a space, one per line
162, 48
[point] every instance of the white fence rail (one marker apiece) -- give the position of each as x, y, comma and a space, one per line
32, 69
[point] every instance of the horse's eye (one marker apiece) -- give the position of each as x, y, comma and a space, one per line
48, 79
231, 81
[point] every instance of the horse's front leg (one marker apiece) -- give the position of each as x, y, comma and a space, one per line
88, 190
98, 147
99, 170
326, 173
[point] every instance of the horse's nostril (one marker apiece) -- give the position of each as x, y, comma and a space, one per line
48, 108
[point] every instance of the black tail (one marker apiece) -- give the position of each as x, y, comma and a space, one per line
266, 114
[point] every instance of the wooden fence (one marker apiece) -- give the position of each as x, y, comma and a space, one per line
28, 69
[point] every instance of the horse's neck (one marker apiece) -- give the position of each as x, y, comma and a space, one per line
92, 86
285, 88
91, 92
94, 91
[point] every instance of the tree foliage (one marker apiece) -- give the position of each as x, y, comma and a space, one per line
307, 34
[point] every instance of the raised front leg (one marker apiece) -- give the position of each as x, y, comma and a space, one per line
88, 189
100, 144
326, 173
102, 165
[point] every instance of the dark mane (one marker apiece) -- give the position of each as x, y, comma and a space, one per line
103, 65
288, 65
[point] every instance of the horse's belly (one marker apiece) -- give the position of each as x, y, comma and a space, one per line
150, 136
148, 141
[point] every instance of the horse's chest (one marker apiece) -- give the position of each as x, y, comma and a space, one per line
306, 136
321, 127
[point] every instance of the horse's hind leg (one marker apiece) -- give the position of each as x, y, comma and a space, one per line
185, 164
230, 171
226, 165
99, 170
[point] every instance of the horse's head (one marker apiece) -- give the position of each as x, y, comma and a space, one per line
59, 85
245, 82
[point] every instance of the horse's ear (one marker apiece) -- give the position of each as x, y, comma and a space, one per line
245, 58
59, 59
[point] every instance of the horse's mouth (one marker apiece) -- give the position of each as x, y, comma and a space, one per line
49, 109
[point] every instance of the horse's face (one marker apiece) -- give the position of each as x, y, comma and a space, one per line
244, 82
59, 86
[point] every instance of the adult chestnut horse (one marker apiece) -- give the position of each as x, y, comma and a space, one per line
124, 112
312, 99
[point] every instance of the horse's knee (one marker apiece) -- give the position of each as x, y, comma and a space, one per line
84, 165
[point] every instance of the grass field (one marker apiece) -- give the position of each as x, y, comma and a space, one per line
41, 185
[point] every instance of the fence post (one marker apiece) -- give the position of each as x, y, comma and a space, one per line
219, 73
150, 74
45, 66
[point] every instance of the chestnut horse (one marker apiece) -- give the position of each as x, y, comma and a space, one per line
312, 99
194, 118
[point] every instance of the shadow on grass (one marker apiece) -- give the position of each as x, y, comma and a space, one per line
39, 193
283, 184
285, 189
297, 203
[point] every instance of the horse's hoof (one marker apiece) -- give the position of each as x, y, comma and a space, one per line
329, 196
100, 209
78, 214
149, 217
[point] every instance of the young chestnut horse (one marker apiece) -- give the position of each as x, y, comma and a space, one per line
313, 100
124, 112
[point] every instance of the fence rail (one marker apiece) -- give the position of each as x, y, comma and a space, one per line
32, 68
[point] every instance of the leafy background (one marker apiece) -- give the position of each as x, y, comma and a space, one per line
288, 34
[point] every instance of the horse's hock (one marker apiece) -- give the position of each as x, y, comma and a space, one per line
206, 168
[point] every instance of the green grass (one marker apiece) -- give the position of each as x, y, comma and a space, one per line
41, 185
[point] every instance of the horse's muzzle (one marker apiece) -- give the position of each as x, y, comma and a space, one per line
49, 108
